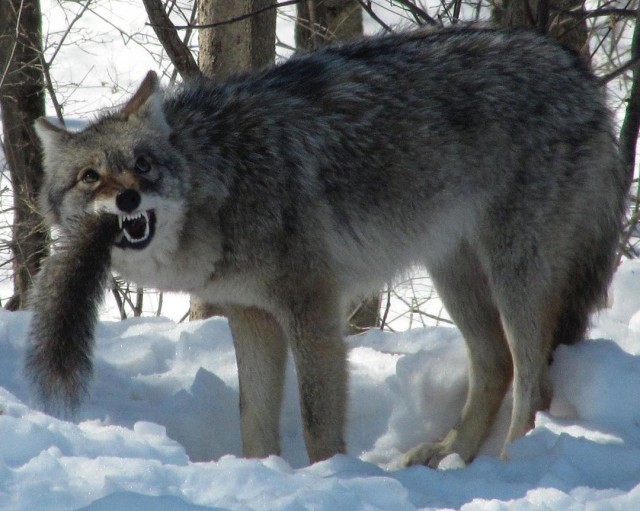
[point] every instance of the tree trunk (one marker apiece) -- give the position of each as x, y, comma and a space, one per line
235, 47
229, 49
559, 18
320, 22
22, 102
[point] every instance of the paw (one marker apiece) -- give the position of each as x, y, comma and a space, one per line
428, 454
433, 454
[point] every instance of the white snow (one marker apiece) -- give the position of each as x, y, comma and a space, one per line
161, 429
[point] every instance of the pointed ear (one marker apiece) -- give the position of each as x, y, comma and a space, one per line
50, 135
146, 100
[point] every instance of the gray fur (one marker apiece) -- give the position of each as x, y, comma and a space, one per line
486, 156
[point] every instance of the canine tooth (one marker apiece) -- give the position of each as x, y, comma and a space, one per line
135, 216
120, 220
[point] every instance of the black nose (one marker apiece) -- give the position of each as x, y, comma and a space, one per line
128, 200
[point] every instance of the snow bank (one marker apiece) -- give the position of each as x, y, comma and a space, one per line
161, 430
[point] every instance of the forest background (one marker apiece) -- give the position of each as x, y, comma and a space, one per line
55, 62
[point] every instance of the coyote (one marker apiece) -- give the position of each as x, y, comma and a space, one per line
486, 156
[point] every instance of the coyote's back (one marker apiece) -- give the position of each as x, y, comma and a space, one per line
486, 156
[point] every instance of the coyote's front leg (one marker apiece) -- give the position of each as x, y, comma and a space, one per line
261, 352
320, 357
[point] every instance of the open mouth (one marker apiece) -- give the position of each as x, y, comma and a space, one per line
136, 230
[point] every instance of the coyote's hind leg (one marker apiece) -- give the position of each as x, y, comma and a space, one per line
464, 290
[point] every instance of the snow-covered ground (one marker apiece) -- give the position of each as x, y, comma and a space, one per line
161, 429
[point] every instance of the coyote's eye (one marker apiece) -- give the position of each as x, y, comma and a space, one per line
89, 176
142, 165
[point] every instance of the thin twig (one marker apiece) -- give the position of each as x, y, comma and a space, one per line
160, 302
178, 52
383, 321
76, 18
366, 5
5, 71
236, 19
421, 14
632, 64
137, 311
596, 13
115, 289
51, 89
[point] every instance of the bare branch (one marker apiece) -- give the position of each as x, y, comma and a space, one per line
631, 123
67, 31
457, 6
632, 64
596, 13
13, 47
366, 5
167, 33
629, 133
383, 321
51, 90
421, 15
155, 24
115, 289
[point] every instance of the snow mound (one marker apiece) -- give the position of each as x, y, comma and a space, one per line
161, 429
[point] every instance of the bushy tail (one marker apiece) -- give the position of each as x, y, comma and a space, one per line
586, 286
65, 302
588, 294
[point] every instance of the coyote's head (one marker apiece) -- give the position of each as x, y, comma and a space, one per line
121, 164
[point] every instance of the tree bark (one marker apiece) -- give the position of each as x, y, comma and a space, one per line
230, 49
236, 47
22, 102
548, 16
631, 124
629, 141
320, 22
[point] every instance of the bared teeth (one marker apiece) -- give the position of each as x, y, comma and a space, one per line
124, 219
141, 214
